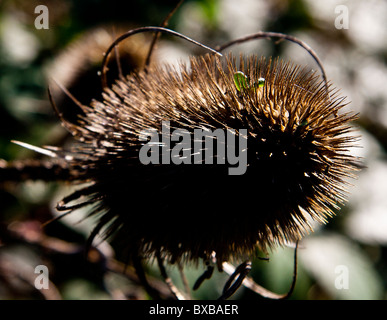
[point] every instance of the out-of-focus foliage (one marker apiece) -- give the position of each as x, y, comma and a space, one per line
355, 60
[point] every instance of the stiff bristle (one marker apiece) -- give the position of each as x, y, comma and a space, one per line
297, 159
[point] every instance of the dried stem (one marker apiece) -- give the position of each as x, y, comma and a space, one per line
141, 30
185, 281
157, 34
177, 294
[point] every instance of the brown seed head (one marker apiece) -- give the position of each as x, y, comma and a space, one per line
297, 157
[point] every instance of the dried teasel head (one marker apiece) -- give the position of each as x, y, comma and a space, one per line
79, 63
297, 158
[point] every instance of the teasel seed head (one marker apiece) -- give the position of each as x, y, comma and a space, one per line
297, 158
79, 64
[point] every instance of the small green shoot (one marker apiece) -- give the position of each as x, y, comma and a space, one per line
242, 82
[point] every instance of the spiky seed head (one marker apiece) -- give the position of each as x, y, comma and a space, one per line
79, 63
297, 157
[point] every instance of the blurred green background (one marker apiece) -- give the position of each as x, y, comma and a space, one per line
345, 259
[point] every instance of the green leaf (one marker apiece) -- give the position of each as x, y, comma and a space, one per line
241, 81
